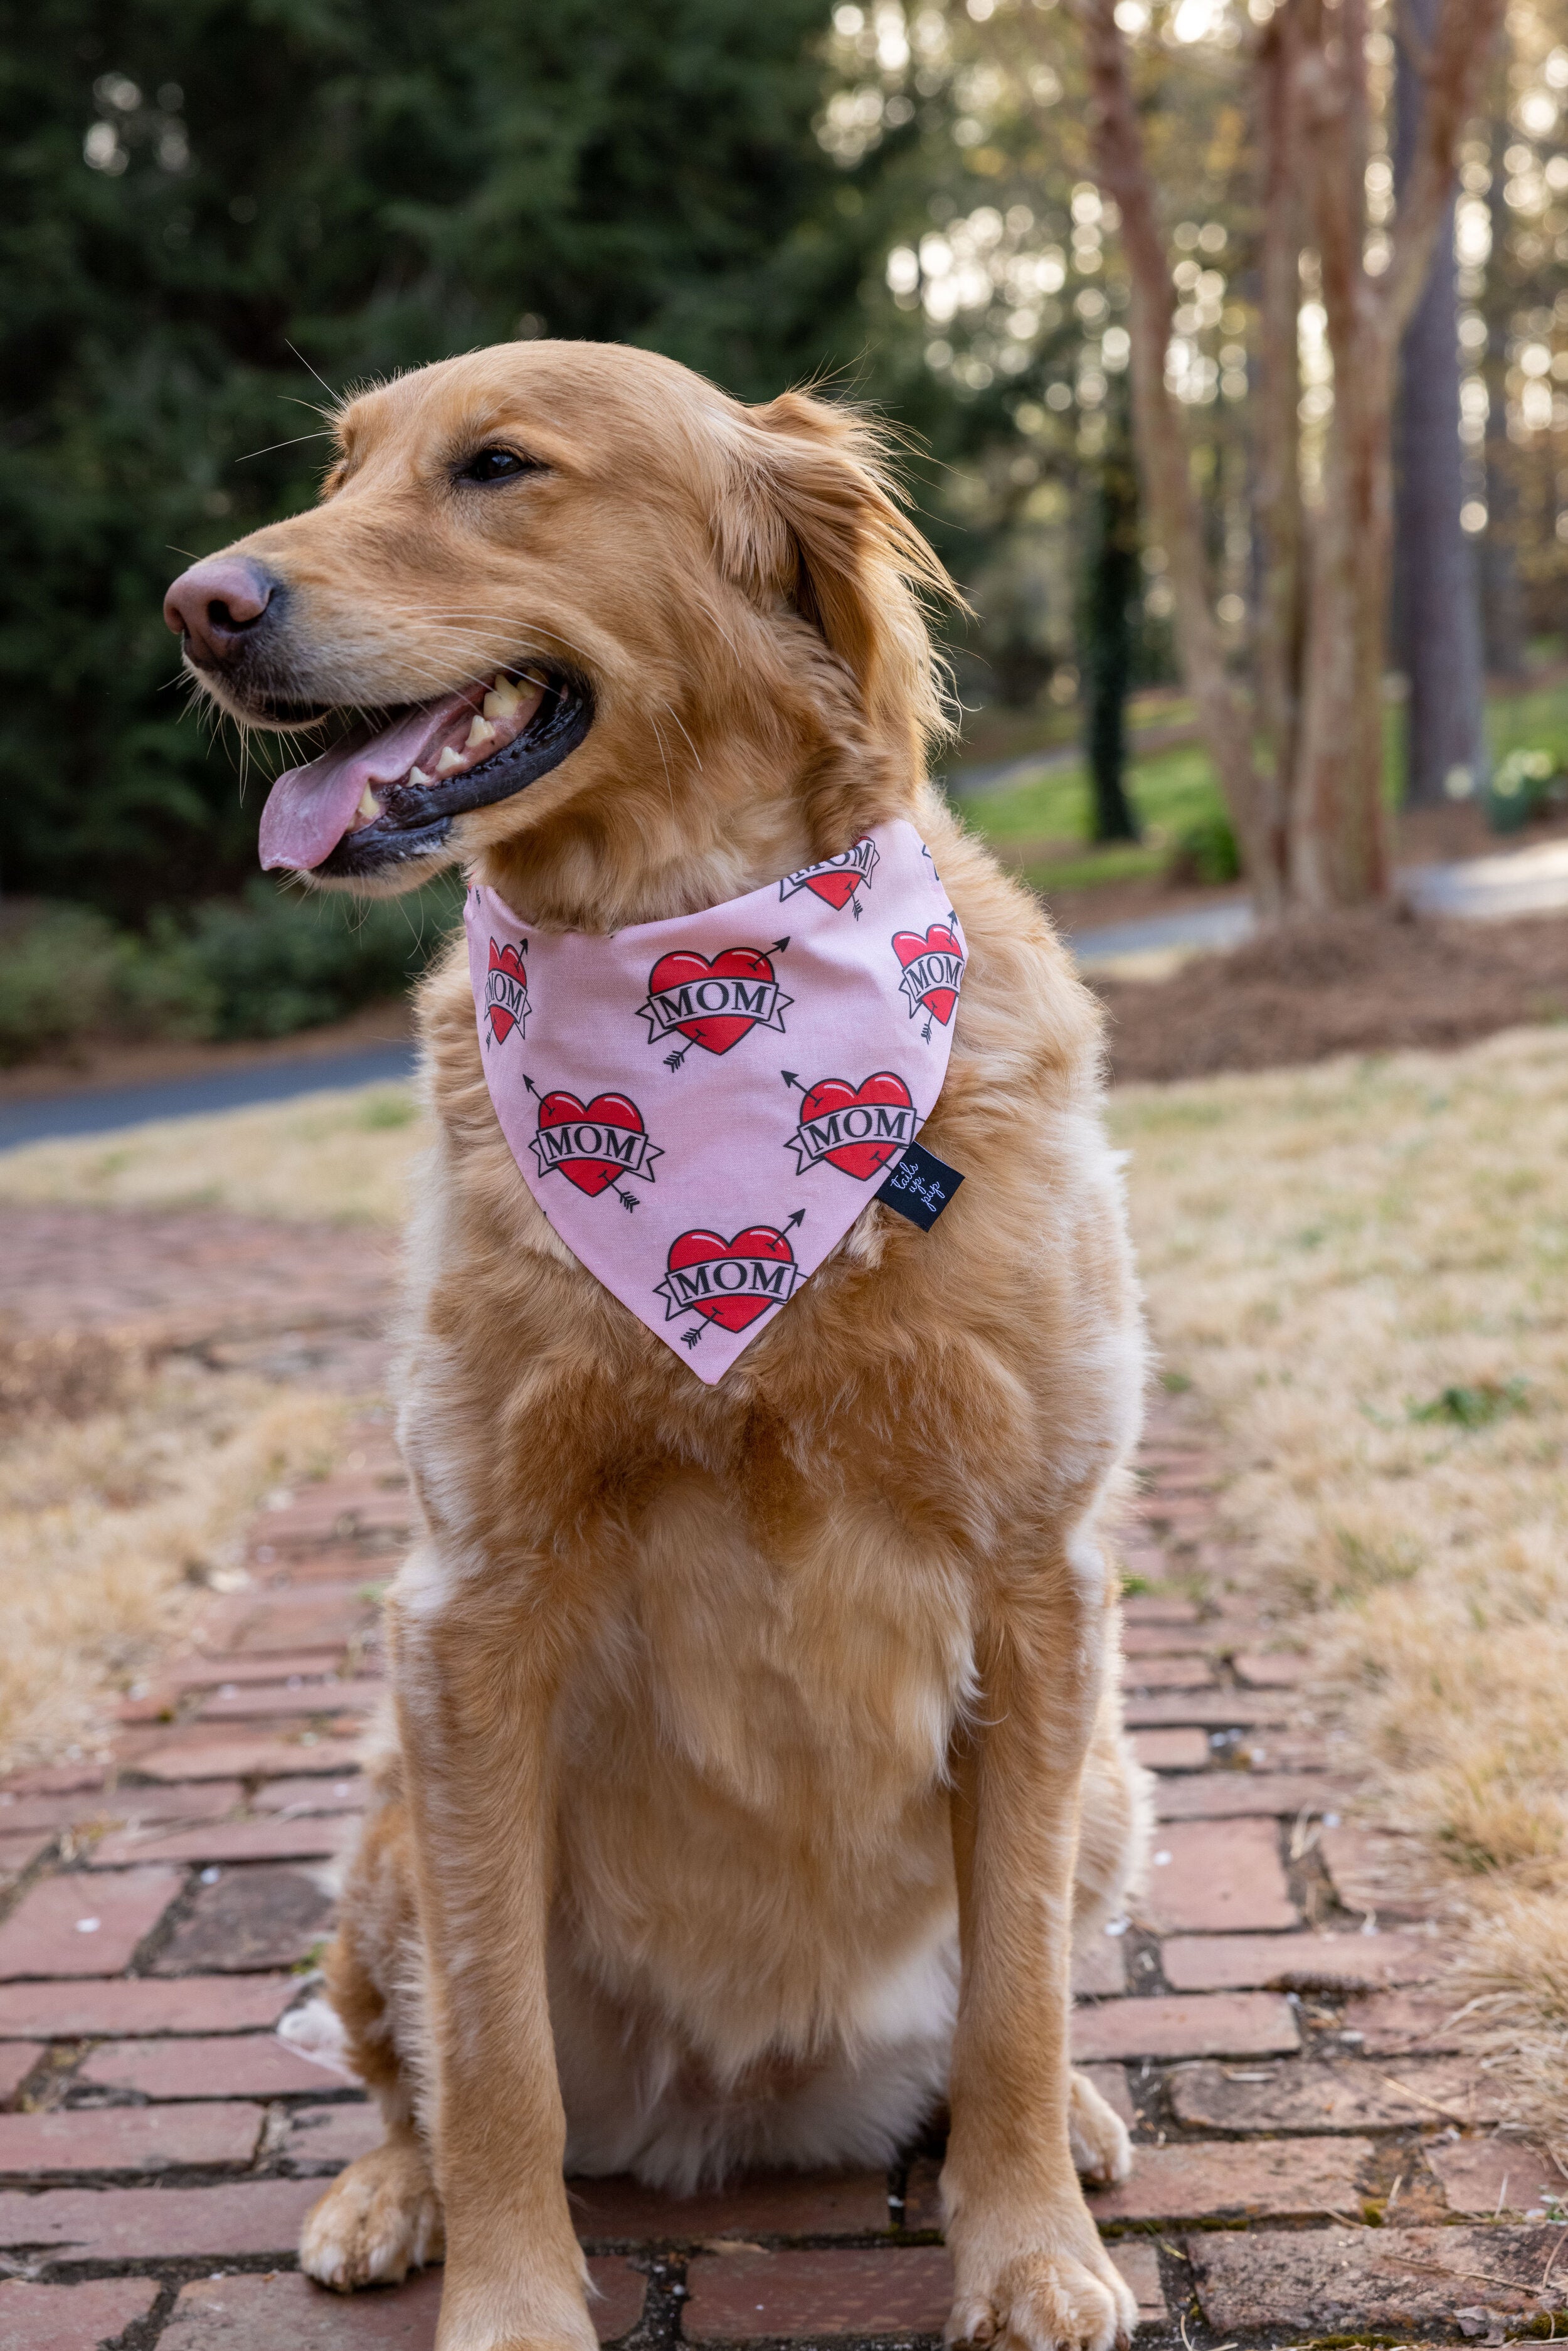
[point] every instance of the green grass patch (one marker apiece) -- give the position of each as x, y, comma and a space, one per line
1172, 792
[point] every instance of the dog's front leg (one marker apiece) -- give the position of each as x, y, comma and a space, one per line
1028, 2267
476, 1687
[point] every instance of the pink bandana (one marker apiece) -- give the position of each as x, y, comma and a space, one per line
703, 1107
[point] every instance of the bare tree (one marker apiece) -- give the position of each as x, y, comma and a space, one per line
1437, 621
1309, 819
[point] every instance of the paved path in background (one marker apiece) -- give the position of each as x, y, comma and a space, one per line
102, 1110
1267, 2021
1490, 888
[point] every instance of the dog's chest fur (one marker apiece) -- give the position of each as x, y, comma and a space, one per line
768, 1591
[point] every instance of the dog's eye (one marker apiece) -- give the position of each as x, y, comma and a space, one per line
496, 465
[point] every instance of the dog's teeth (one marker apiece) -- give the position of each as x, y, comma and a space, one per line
369, 808
479, 733
417, 776
449, 761
503, 699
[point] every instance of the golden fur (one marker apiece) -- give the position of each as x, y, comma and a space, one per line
718, 1710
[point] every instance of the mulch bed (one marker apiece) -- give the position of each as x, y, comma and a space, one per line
1374, 981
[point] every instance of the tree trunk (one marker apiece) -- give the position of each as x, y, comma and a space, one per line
1279, 522
1170, 500
1437, 635
1502, 604
1111, 582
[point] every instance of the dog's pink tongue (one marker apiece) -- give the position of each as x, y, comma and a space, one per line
309, 808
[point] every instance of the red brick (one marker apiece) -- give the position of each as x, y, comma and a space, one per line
18, 2059
1164, 1640
1172, 1750
1211, 2024
20, 1853
72, 2318
1263, 2178
1349, 2281
1273, 1669
159, 1705
1389, 2023
18, 1812
1496, 2175
227, 2065
1234, 1796
782, 2204
213, 1673
123, 1806
275, 1626
1177, 1673
117, 2224
1224, 1710
1111, 2080
43, 1936
1296, 1962
1140, 2265
1221, 1874
1158, 1608
1311, 2094
349, 1795
128, 2138
81, 2012
249, 1759
895, 2291
1099, 1967
270, 1915
258, 2313
261, 1700
1283, 1749
1371, 1870
326, 2137
299, 1838
906, 2290
59, 1779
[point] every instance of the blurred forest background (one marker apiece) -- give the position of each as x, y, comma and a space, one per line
207, 208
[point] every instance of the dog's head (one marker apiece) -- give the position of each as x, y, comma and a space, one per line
558, 595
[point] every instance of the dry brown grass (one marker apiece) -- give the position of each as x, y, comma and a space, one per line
1361, 1269
111, 1524
344, 1153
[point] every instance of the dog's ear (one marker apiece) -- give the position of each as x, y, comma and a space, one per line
808, 520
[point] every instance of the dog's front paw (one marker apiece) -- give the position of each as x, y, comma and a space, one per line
380, 2218
1101, 2150
1048, 2301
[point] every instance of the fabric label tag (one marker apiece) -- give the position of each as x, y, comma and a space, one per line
920, 1186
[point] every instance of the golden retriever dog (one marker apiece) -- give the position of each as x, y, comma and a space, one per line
755, 1754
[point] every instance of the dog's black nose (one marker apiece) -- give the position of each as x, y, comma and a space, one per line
216, 604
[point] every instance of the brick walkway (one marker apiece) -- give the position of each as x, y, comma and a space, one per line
1316, 2155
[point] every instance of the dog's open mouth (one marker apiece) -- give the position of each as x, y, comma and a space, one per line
388, 792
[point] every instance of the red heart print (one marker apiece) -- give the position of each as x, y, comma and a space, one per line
508, 960
861, 1160
764, 1242
715, 1032
837, 889
938, 940
591, 1175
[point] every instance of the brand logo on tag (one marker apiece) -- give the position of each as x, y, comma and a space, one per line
728, 1282
858, 1129
932, 971
507, 993
920, 1186
714, 1002
836, 879
593, 1143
